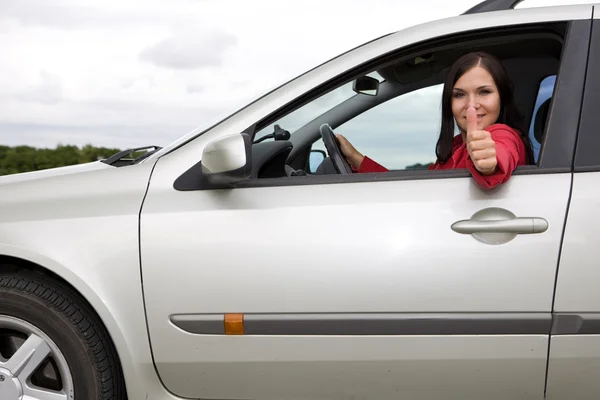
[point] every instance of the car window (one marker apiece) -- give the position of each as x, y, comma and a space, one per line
400, 133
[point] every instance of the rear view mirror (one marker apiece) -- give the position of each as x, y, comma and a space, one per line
366, 85
226, 161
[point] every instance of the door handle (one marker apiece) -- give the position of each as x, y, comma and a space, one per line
519, 226
498, 226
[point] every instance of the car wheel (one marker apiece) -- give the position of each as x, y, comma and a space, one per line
52, 346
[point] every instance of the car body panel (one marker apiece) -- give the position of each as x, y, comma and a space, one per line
83, 227
343, 248
574, 357
419, 367
50, 172
573, 368
577, 283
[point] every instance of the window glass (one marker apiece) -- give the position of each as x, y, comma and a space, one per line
400, 133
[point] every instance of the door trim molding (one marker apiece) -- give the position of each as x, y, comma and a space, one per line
576, 324
372, 324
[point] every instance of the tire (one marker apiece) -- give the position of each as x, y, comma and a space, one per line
41, 313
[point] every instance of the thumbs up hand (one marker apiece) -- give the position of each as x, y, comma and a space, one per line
480, 145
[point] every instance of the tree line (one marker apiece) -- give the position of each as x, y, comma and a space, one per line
18, 159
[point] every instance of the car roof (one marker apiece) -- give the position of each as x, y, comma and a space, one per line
504, 5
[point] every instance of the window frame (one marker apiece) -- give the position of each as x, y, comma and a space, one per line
557, 149
587, 157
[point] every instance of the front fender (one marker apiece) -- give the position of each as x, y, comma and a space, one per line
129, 335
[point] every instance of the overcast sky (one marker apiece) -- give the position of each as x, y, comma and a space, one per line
127, 73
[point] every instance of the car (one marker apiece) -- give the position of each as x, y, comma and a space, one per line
244, 261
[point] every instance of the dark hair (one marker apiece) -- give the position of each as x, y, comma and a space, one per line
509, 113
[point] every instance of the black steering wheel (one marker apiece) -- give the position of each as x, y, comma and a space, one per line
333, 149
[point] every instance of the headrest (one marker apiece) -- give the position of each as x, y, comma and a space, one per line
539, 125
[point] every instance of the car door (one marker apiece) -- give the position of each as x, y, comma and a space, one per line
575, 342
363, 287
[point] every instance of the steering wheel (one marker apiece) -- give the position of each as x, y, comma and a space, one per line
333, 149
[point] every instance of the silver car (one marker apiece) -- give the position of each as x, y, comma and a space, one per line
244, 262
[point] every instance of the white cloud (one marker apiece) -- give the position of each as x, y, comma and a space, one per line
93, 14
49, 91
192, 50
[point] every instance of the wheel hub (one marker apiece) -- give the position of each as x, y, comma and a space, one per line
22, 369
10, 387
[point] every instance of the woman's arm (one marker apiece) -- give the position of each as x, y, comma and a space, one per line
367, 165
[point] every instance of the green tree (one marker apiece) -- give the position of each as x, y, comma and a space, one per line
26, 158
419, 166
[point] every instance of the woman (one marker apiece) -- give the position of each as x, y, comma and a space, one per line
478, 97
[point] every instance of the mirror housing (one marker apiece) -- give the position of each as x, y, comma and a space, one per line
227, 161
366, 85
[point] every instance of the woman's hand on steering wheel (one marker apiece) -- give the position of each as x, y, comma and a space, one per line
352, 155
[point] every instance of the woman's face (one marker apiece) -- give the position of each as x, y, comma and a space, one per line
476, 88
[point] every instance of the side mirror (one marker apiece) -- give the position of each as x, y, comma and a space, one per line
366, 85
226, 161
315, 159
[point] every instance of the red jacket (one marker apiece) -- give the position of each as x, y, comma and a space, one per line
510, 152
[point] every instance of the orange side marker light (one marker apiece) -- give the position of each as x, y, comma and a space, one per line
234, 324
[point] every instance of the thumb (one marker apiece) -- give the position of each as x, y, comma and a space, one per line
471, 120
